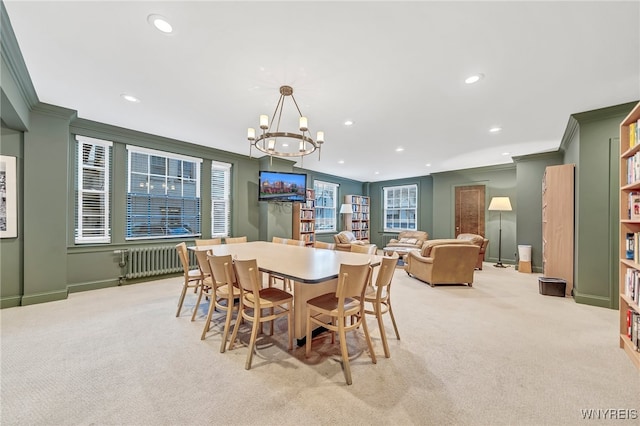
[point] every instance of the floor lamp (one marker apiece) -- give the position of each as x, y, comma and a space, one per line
500, 204
345, 209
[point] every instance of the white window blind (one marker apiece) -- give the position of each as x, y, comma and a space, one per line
92, 219
220, 199
401, 208
326, 205
163, 198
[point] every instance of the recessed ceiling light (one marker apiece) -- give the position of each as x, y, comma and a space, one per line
495, 129
505, 153
340, 161
348, 123
376, 173
130, 98
428, 164
399, 149
161, 23
474, 78
285, 144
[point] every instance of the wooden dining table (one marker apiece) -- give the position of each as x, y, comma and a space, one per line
313, 271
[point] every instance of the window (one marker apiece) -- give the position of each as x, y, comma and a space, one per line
326, 201
163, 196
220, 199
400, 208
92, 191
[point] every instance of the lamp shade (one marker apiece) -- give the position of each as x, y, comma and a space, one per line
502, 204
346, 208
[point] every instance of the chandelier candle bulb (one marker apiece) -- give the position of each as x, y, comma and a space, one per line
301, 147
272, 145
320, 137
264, 122
251, 134
303, 124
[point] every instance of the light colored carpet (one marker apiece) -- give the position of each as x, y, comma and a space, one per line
497, 353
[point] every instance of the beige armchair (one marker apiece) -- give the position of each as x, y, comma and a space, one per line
478, 240
409, 239
344, 239
443, 262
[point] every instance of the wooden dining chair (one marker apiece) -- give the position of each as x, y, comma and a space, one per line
235, 240
379, 296
222, 292
254, 299
208, 242
364, 248
323, 245
193, 278
286, 282
293, 242
346, 302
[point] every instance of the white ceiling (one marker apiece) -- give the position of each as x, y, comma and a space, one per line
396, 69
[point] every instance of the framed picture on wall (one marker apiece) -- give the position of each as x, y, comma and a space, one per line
8, 197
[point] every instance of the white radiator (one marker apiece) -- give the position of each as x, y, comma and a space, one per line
155, 260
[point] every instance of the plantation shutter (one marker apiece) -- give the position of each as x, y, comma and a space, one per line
220, 199
92, 218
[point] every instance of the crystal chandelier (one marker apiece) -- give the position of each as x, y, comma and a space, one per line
275, 142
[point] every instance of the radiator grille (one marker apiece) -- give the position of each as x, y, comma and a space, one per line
156, 260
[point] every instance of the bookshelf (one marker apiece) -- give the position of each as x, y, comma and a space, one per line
558, 223
304, 219
629, 273
358, 221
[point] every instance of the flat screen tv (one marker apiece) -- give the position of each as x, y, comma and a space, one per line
282, 186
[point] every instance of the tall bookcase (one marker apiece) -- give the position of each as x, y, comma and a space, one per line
304, 219
629, 275
358, 221
558, 223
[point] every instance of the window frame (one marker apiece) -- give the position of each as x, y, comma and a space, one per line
385, 207
164, 224
80, 192
335, 189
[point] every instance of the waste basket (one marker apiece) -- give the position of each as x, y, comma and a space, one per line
552, 286
524, 254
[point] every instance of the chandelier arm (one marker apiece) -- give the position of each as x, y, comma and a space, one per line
279, 115
296, 104
279, 105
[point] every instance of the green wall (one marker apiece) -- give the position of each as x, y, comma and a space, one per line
11, 266
425, 211
529, 172
591, 143
499, 181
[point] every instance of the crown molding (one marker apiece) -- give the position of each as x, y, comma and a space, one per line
11, 55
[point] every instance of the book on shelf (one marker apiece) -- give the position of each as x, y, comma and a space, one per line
633, 328
634, 205
630, 246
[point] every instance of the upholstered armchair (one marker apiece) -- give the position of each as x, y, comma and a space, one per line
443, 262
478, 240
344, 239
409, 239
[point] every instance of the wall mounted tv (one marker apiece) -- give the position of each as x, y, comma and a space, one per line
282, 186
